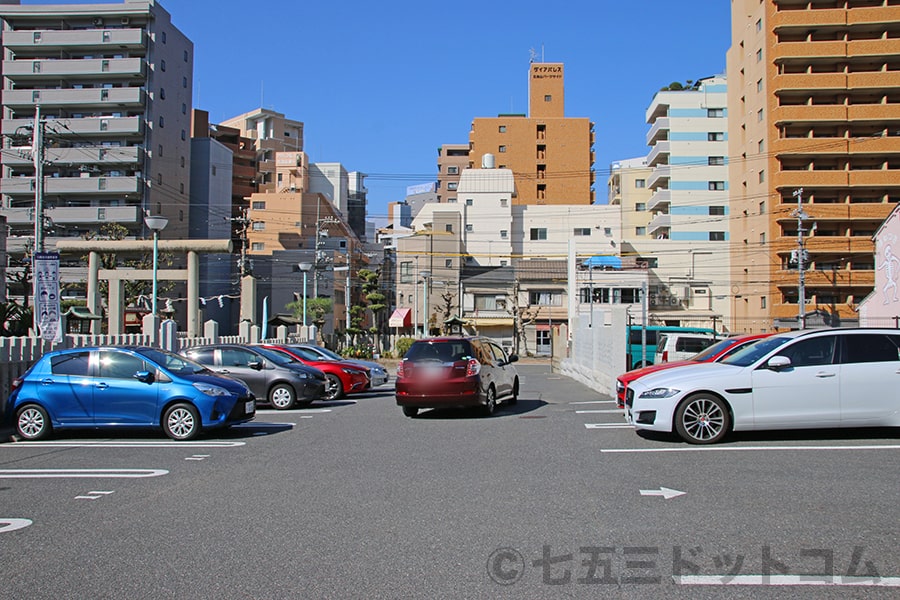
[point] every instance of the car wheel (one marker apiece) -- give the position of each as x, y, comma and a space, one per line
33, 422
410, 411
515, 392
702, 419
490, 403
335, 389
181, 422
282, 396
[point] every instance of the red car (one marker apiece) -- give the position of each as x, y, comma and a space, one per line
714, 353
343, 377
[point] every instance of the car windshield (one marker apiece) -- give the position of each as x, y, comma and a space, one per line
279, 357
439, 351
707, 354
305, 353
752, 353
173, 363
328, 353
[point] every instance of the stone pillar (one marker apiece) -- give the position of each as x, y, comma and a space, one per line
248, 299
93, 290
211, 331
168, 335
281, 333
116, 306
193, 294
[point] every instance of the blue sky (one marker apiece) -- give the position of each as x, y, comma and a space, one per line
381, 85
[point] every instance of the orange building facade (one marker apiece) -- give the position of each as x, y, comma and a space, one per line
551, 155
814, 116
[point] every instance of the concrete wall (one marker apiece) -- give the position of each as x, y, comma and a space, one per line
597, 354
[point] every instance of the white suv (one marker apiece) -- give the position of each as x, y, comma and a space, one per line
681, 346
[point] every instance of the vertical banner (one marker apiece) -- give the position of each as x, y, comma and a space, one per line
46, 296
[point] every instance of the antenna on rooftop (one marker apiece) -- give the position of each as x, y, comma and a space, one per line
532, 55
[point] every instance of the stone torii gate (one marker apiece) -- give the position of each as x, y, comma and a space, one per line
117, 277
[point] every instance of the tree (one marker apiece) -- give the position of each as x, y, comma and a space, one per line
447, 305
375, 300
316, 309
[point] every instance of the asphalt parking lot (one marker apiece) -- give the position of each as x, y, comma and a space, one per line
555, 496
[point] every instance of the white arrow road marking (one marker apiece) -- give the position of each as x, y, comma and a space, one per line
747, 448
666, 493
7, 525
93, 495
80, 473
608, 426
769, 580
121, 444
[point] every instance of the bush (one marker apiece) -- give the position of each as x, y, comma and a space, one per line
403, 345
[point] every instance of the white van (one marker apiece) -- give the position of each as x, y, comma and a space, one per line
672, 347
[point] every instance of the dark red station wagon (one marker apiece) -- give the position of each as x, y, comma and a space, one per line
456, 372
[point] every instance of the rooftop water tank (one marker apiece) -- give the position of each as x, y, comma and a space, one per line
487, 161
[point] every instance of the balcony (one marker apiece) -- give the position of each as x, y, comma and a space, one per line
876, 178
810, 81
659, 177
874, 112
19, 186
809, 179
808, 50
81, 127
659, 154
82, 215
824, 279
810, 113
875, 48
873, 80
658, 131
80, 156
660, 200
133, 97
659, 224
806, 19
68, 39
93, 69
810, 146
881, 15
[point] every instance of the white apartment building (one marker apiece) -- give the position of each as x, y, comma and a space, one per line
627, 189
271, 133
114, 85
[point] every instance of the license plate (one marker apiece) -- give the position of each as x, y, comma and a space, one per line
249, 407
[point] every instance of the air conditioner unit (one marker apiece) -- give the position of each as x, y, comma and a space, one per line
125, 20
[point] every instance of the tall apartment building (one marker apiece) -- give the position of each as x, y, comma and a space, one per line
551, 155
114, 85
814, 94
627, 189
688, 155
271, 133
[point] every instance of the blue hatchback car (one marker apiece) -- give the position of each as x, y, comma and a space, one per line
125, 387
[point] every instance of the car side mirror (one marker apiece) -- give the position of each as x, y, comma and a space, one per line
778, 363
144, 376
512, 358
258, 365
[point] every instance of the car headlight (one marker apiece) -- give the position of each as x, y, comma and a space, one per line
351, 371
300, 375
657, 393
620, 387
211, 390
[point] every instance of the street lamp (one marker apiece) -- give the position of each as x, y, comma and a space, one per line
305, 267
156, 224
425, 275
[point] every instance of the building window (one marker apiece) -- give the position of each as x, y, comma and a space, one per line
501, 149
717, 236
640, 231
759, 55
259, 225
716, 160
185, 56
762, 208
545, 298
504, 202
640, 183
469, 202
214, 170
406, 272
183, 135
182, 162
504, 234
162, 65
717, 211
160, 151
181, 188
759, 115
448, 227
715, 113
452, 185
640, 206
759, 28
762, 301
163, 37
582, 231
503, 263
184, 82
183, 108
159, 178
762, 239
257, 246
502, 129
607, 231
469, 228
538, 233
162, 121
162, 93
715, 136
448, 263
452, 170
762, 176
489, 302
257, 205
760, 146
716, 186
451, 200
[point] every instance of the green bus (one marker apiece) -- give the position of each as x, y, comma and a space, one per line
634, 355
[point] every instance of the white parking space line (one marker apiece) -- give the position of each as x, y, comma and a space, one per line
748, 448
80, 473
787, 580
7, 525
594, 402
124, 444
608, 426
295, 411
610, 411
258, 424
94, 495
197, 457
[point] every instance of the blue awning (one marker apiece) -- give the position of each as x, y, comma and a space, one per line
603, 261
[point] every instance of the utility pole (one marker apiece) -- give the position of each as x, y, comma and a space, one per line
800, 256
38, 152
243, 227
321, 258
